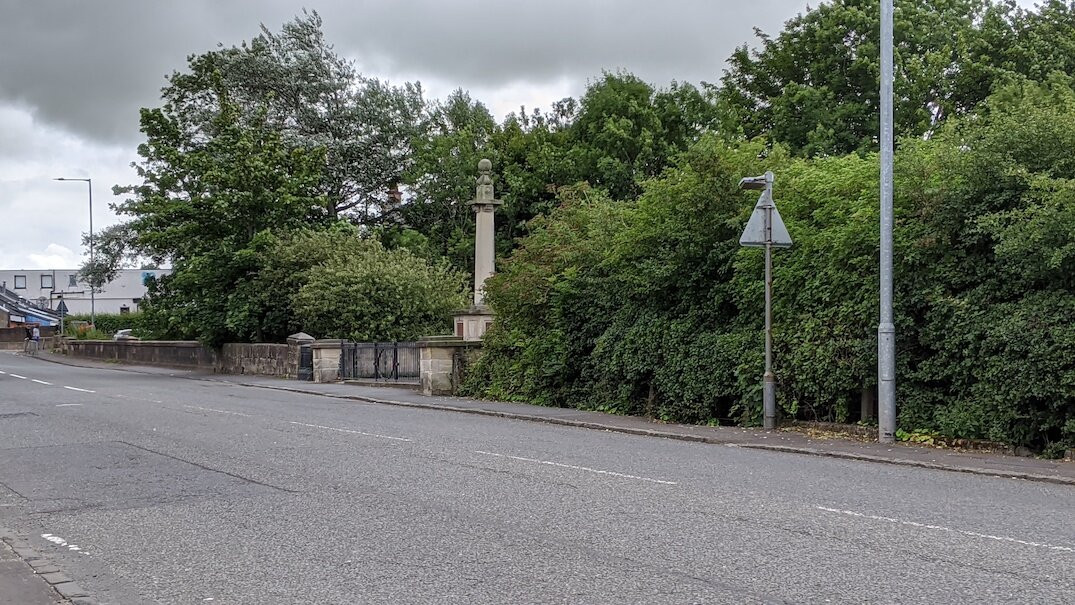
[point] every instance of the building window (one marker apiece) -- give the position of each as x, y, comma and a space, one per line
124, 310
72, 280
46, 281
20, 282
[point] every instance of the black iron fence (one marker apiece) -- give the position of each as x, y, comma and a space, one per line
386, 361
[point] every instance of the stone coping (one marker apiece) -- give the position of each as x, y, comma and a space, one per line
139, 343
452, 343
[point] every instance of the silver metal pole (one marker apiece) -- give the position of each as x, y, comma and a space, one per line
93, 256
886, 330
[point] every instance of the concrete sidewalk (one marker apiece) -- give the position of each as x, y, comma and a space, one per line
790, 441
28, 578
19, 584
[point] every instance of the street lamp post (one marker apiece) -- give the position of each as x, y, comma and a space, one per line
93, 290
886, 329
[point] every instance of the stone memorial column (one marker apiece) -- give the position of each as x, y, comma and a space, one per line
484, 205
470, 324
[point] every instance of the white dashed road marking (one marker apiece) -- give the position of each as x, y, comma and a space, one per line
58, 541
578, 468
194, 407
17, 376
41, 381
66, 405
79, 390
972, 534
330, 428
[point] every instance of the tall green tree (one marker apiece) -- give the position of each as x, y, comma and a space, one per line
315, 99
626, 131
205, 197
814, 85
458, 133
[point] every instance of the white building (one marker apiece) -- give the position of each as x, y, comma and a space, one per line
47, 287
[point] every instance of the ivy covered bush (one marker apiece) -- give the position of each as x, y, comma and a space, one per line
650, 306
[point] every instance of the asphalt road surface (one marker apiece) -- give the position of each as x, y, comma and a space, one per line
157, 489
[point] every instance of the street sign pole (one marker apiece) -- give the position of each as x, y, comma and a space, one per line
769, 381
766, 230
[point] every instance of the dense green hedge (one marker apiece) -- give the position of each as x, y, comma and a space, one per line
110, 323
651, 307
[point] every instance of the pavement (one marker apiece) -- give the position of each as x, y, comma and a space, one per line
20, 584
29, 578
162, 486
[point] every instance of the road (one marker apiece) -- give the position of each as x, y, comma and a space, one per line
159, 489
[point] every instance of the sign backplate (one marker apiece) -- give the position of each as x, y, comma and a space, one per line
754, 234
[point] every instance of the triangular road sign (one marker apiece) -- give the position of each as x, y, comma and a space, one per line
62, 308
754, 235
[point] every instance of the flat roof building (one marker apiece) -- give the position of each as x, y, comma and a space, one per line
45, 288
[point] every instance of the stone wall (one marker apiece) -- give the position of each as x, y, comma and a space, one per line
442, 361
262, 359
233, 358
19, 334
327, 355
171, 353
47, 343
443, 364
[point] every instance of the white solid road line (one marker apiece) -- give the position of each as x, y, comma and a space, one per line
194, 407
41, 381
79, 390
17, 376
66, 405
973, 534
578, 468
332, 428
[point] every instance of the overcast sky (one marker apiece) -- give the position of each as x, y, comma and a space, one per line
73, 74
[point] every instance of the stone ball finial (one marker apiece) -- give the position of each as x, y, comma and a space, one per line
485, 165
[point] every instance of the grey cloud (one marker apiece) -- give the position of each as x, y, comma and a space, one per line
485, 43
87, 67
